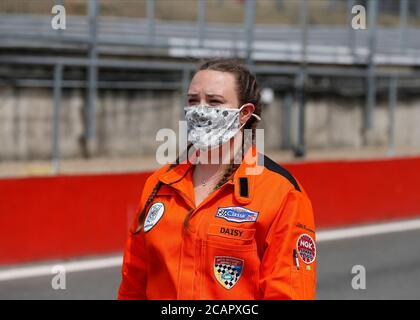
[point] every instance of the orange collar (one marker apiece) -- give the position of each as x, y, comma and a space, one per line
243, 178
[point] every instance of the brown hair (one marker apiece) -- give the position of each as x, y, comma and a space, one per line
246, 84
248, 92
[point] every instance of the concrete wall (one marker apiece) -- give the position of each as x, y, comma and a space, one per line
127, 122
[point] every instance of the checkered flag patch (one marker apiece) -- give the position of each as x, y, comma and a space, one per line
228, 270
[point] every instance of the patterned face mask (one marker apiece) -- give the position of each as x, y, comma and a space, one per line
209, 127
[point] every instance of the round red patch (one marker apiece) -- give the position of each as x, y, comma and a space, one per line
306, 247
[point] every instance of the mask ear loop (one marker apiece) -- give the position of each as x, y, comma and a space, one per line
252, 114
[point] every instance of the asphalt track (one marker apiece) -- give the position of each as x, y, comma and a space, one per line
392, 263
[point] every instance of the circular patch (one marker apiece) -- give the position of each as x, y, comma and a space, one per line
154, 215
306, 247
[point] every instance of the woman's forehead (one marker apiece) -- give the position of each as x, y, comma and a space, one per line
211, 82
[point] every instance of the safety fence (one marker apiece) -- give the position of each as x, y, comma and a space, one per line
69, 216
93, 43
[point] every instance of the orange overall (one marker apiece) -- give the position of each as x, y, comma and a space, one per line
253, 238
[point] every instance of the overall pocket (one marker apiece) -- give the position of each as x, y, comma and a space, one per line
302, 283
230, 234
228, 271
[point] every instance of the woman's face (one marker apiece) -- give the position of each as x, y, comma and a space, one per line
215, 88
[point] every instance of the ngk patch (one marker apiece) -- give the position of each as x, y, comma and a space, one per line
306, 248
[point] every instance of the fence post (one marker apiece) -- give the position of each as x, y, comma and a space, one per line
58, 77
371, 77
57, 89
201, 17
249, 28
403, 24
186, 73
279, 4
392, 103
92, 78
352, 34
287, 121
301, 81
150, 8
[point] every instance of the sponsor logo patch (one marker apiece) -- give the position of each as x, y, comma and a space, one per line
228, 270
237, 214
153, 215
306, 248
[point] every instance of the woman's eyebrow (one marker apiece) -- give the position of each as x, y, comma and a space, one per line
210, 95
215, 96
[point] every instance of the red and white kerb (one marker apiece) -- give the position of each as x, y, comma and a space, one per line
306, 248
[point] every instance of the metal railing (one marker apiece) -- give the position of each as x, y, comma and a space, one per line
296, 50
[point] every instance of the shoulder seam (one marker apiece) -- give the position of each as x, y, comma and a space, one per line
273, 166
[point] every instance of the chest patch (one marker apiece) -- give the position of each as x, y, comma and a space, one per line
237, 214
154, 214
228, 270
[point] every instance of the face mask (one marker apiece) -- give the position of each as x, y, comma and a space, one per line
209, 127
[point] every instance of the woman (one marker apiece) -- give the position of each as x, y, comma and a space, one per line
235, 230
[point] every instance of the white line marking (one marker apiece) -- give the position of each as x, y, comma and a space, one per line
116, 261
368, 230
75, 266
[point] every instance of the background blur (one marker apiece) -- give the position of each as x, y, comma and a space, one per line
90, 98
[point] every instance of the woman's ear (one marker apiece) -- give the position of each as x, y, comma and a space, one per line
246, 112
